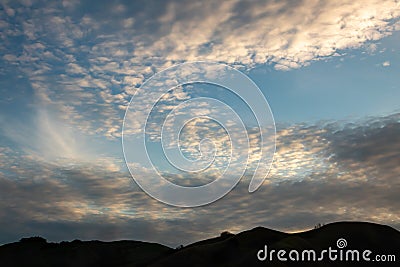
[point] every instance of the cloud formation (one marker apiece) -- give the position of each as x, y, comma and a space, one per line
323, 173
81, 64
87, 61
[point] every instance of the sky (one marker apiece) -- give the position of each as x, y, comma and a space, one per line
69, 69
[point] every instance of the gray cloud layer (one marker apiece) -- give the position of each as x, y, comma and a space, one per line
357, 179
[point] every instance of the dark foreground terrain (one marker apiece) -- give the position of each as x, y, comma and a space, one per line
226, 250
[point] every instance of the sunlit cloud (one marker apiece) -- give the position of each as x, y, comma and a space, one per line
322, 173
90, 64
79, 66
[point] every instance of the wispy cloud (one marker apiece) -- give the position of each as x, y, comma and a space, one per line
48, 136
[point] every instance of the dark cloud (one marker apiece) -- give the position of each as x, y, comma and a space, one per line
375, 144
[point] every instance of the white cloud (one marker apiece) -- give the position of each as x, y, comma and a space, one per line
127, 23
371, 48
101, 58
289, 34
10, 12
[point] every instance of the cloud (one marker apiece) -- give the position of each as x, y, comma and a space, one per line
327, 172
48, 136
246, 33
371, 48
89, 63
83, 64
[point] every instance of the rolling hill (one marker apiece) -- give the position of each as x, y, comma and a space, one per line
226, 250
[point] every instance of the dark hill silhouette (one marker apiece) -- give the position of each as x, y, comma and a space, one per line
241, 249
77, 253
226, 250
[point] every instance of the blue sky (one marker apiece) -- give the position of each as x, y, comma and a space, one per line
68, 69
351, 86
